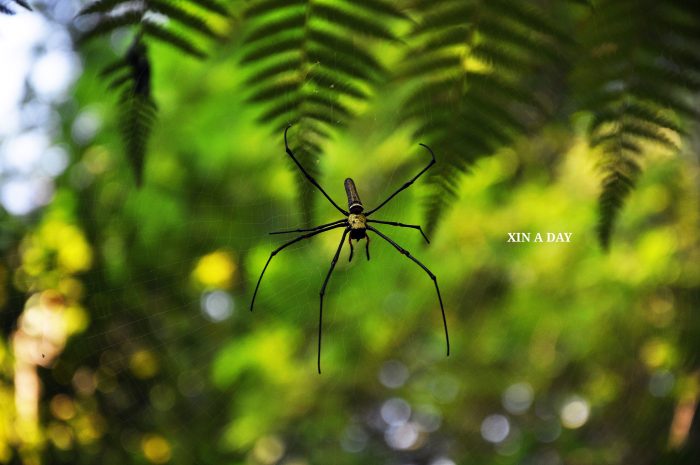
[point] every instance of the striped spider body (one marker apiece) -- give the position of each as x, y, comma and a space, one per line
356, 225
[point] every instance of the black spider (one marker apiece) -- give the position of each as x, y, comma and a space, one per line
356, 225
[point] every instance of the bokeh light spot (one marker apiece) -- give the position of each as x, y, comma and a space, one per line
143, 364
518, 398
393, 374
62, 407
403, 436
16, 197
54, 161
268, 450
53, 73
574, 413
217, 305
395, 411
156, 448
61, 435
495, 428
84, 381
656, 353
215, 270
442, 461
85, 126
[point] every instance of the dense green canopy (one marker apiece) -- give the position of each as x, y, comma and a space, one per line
126, 331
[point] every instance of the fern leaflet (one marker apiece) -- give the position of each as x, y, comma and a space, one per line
311, 65
482, 71
641, 63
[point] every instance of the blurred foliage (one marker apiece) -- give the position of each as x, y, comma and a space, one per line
126, 336
5, 6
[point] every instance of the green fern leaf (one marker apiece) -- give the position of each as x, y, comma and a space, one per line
276, 27
23, 4
358, 23
272, 49
109, 24
344, 45
479, 70
213, 7
101, 6
156, 31
279, 68
181, 20
131, 75
182, 16
307, 67
137, 111
5, 9
636, 80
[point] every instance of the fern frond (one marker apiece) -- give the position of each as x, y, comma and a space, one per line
360, 23
263, 7
308, 68
132, 74
110, 23
478, 68
156, 31
272, 49
182, 18
635, 79
5, 8
621, 173
101, 6
279, 68
137, 110
213, 6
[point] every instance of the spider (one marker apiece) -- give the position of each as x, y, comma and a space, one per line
356, 225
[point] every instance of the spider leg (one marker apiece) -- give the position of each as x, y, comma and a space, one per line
351, 248
315, 228
323, 291
367, 246
308, 176
430, 273
278, 249
402, 225
408, 184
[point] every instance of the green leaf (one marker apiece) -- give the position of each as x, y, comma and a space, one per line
184, 17
280, 68
470, 110
264, 7
276, 27
309, 66
212, 6
156, 31
272, 48
109, 24
358, 23
101, 6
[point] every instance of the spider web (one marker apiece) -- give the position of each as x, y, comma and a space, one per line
155, 316
294, 277
154, 307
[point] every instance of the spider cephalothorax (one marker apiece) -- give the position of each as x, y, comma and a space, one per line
357, 221
356, 225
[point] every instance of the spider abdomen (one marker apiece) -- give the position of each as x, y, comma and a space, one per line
354, 202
